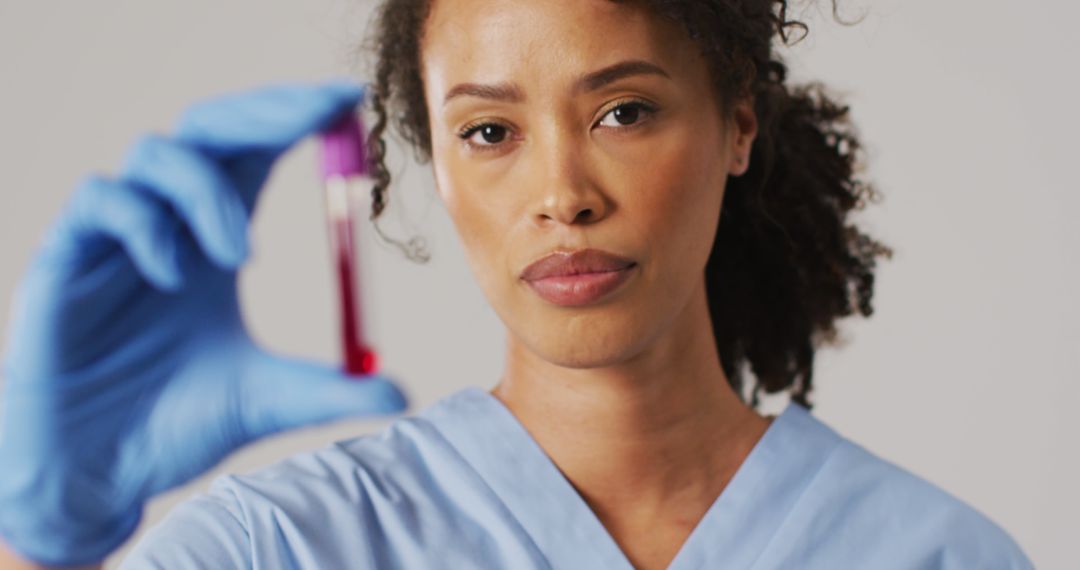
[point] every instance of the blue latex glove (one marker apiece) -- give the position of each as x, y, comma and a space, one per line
128, 370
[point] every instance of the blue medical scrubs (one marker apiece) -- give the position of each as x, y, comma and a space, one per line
462, 485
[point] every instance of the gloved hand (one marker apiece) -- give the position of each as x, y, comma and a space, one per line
128, 369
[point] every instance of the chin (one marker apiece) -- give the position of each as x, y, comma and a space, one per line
584, 345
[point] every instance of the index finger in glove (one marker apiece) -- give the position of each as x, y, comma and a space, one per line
270, 119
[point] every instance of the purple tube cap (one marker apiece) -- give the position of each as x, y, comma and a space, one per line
342, 147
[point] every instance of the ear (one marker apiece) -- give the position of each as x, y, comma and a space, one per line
744, 130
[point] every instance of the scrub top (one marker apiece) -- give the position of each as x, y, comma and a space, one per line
462, 485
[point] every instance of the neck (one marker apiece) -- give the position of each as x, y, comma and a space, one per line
657, 432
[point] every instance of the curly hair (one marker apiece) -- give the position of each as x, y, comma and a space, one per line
786, 263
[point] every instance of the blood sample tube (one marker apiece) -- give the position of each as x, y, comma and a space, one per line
346, 173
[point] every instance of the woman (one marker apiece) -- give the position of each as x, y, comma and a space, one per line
653, 148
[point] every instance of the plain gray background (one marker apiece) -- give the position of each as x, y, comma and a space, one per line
966, 374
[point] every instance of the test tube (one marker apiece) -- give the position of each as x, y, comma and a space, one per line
346, 173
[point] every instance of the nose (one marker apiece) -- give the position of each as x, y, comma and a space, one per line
569, 192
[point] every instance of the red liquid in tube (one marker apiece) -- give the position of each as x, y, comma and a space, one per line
359, 358
344, 166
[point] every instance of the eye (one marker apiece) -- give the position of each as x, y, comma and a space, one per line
491, 134
627, 114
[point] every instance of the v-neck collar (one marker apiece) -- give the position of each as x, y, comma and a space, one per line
732, 534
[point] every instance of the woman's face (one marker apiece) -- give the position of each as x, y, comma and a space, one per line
631, 163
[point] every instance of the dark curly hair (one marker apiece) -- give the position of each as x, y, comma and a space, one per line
785, 263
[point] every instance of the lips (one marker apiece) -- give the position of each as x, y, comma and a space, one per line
561, 263
577, 278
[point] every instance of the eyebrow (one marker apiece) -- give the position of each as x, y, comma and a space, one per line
511, 93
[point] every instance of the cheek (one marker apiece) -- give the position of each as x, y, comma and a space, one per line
481, 221
677, 198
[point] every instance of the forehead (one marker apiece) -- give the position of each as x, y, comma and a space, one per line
542, 39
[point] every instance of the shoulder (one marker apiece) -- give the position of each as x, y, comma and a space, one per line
878, 505
399, 453
205, 531
351, 486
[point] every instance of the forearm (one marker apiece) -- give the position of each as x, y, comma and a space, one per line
11, 561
